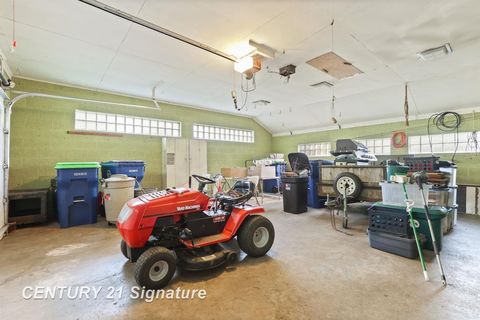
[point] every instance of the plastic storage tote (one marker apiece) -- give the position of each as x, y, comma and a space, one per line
405, 247
77, 189
436, 215
271, 185
131, 168
117, 190
392, 194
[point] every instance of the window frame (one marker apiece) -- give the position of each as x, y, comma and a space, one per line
95, 121
385, 143
315, 149
420, 144
210, 132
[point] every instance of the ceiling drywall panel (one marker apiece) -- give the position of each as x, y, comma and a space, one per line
73, 43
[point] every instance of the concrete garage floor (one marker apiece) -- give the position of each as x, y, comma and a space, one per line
312, 272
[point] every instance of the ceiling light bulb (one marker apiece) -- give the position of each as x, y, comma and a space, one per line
243, 64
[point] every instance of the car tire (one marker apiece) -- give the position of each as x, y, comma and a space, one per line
155, 268
354, 187
256, 236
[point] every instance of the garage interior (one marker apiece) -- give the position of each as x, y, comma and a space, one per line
270, 159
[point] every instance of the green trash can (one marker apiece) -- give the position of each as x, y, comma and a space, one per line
436, 216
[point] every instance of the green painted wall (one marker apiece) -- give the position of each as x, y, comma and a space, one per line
39, 137
468, 163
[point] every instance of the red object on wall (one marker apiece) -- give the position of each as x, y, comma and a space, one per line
399, 139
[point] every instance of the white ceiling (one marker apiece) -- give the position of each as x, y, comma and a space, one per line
72, 43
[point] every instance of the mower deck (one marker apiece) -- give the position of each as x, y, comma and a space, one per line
205, 258
206, 241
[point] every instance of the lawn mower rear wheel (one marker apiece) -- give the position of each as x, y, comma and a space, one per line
256, 236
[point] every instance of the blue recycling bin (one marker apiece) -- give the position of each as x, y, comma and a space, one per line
313, 200
271, 185
77, 189
132, 168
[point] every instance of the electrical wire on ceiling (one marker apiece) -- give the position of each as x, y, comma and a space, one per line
332, 107
447, 121
14, 41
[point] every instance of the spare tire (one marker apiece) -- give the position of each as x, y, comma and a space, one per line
350, 183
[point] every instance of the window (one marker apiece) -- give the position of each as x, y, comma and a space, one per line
117, 123
320, 149
378, 146
208, 132
441, 143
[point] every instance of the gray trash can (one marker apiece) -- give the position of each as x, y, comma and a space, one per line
117, 190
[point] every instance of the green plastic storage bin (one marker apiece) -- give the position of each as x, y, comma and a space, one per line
436, 215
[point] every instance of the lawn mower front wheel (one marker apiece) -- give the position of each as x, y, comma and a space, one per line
155, 268
256, 236
123, 248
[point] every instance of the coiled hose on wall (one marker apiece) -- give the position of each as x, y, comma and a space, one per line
447, 121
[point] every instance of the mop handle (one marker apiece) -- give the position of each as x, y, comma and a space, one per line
434, 240
409, 204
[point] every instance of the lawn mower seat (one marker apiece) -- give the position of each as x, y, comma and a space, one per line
241, 192
243, 187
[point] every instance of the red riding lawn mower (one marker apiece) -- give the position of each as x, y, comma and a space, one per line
185, 227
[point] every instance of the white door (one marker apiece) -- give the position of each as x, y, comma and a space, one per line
182, 158
176, 162
197, 159
3, 214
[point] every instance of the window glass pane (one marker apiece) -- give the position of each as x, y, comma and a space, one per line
111, 127
111, 118
448, 138
414, 140
80, 125
128, 120
80, 115
91, 125
91, 116
128, 129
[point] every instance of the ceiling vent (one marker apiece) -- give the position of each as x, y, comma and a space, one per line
434, 53
323, 84
334, 65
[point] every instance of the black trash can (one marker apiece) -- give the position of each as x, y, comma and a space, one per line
295, 194
295, 187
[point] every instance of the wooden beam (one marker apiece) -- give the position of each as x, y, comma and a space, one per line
91, 133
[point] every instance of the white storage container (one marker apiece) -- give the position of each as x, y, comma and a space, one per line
392, 194
117, 190
264, 172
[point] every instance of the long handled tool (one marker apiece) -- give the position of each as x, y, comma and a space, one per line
420, 177
415, 234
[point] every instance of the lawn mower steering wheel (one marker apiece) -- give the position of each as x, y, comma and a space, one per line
202, 181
